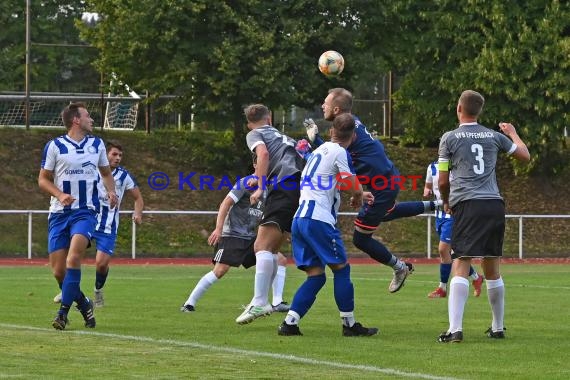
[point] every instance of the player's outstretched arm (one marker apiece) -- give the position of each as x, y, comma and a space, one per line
109, 182
521, 153
139, 204
313, 132
223, 212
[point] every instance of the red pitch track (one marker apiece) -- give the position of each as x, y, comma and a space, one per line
207, 261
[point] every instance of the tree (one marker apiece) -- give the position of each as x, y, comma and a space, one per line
53, 68
516, 54
219, 56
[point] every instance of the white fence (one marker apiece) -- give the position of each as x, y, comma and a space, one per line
429, 229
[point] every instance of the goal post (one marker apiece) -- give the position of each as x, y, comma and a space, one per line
120, 112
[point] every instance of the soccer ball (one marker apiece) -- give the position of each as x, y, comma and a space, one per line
331, 63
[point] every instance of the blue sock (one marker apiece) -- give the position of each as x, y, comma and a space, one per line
343, 289
70, 287
444, 272
373, 248
100, 279
307, 293
407, 209
471, 270
80, 299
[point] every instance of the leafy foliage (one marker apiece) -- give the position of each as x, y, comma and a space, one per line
57, 63
218, 56
514, 54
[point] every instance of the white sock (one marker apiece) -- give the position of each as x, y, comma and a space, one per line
264, 268
399, 265
292, 318
347, 318
443, 285
458, 294
496, 294
275, 267
204, 284
278, 285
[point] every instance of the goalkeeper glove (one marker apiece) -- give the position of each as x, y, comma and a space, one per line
312, 129
303, 148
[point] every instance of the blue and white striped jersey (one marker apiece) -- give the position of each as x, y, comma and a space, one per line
320, 196
108, 218
75, 170
432, 176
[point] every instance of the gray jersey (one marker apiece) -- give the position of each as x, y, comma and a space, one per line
283, 158
243, 218
471, 151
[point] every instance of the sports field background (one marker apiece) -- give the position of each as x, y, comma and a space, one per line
141, 332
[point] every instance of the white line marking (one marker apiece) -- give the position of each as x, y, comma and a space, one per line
292, 358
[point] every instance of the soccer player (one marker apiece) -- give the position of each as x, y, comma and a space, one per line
469, 190
108, 218
278, 170
233, 239
317, 242
69, 174
370, 161
105, 233
443, 226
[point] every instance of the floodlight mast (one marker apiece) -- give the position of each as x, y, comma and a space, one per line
28, 60
28, 64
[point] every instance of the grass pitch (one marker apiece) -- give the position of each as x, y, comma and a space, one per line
141, 333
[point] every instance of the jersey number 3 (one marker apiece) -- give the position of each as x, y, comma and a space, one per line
479, 167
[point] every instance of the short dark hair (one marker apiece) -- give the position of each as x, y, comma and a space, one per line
343, 126
342, 98
114, 144
71, 111
256, 112
472, 103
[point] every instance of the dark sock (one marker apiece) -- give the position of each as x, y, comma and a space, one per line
343, 289
373, 248
307, 293
100, 279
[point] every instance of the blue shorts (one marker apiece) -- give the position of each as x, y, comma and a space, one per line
444, 227
62, 226
105, 242
316, 244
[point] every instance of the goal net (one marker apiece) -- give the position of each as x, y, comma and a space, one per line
121, 114
113, 112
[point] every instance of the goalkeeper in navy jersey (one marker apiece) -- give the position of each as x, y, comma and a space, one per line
371, 162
